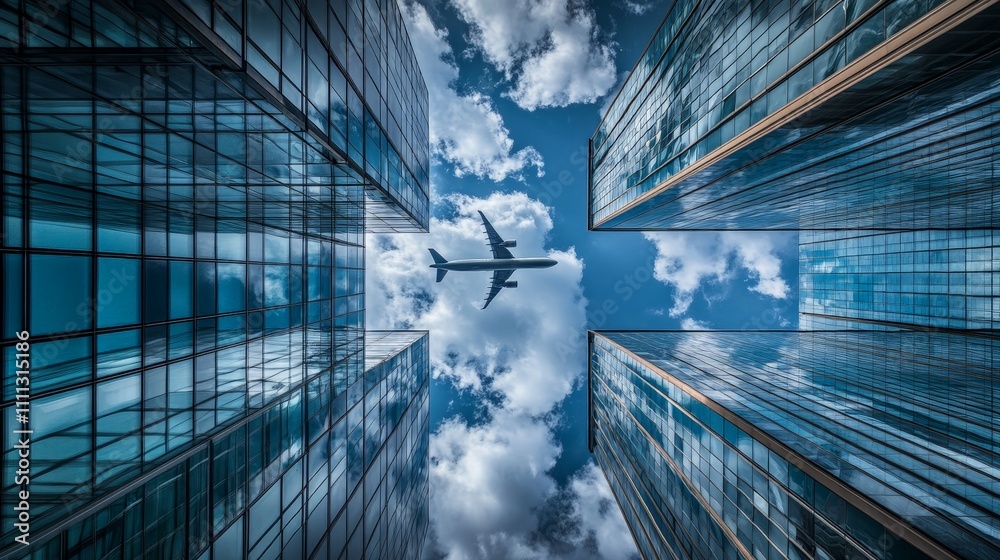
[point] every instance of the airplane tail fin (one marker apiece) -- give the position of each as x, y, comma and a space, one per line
441, 273
438, 259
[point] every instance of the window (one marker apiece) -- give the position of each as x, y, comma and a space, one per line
276, 289
157, 290
117, 299
206, 288
119, 418
181, 285
61, 425
13, 295
117, 352
229, 476
231, 240
60, 294
231, 283
117, 225
60, 217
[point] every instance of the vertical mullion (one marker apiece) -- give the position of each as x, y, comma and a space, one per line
93, 281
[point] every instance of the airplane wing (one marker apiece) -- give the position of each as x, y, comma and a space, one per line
495, 241
499, 277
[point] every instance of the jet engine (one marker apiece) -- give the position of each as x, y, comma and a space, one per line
510, 284
511, 243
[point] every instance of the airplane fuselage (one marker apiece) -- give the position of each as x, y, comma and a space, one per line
496, 264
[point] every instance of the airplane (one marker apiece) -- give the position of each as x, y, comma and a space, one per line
503, 263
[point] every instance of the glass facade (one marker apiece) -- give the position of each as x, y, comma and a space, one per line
307, 476
788, 114
870, 432
800, 444
342, 71
931, 278
185, 192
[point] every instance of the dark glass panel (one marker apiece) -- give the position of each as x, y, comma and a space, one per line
119, 283
60, 294
157, 290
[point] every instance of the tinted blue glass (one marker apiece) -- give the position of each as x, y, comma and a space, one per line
255, 286
118, 225
59, 218
178, 166
119, 418
881, 377
118, 351
60, 294
157, 288
276, 290
206, 288
13, 295
61, 425
231, 240
119, 283
181, 289
650, 164
232, 287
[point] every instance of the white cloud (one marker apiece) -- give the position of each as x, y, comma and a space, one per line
690, 324
492, 499
486, 481
689, 260
551, 49
466, 129
599, 516
529, 341
638, 8
491, 491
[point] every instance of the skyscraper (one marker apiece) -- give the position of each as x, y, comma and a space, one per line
870, 431
833, 444
876, 279
186, 188
805, 115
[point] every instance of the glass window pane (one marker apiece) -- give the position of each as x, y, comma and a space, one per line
232, 287
117, 352
206, 288
60, 217
231, 240
181, 338
255, 286
60, 294
275, 247
118, 406
118, 225
61, 425
59, 363
13, 294
117, 300
275, 285
181, 298
155, 276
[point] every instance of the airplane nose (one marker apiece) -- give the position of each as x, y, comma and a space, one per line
552, 262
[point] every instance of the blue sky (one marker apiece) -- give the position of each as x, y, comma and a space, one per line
516, 89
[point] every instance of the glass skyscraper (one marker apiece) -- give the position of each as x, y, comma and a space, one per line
868, 279
834, 444
870, 431
185, 191
805, 115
